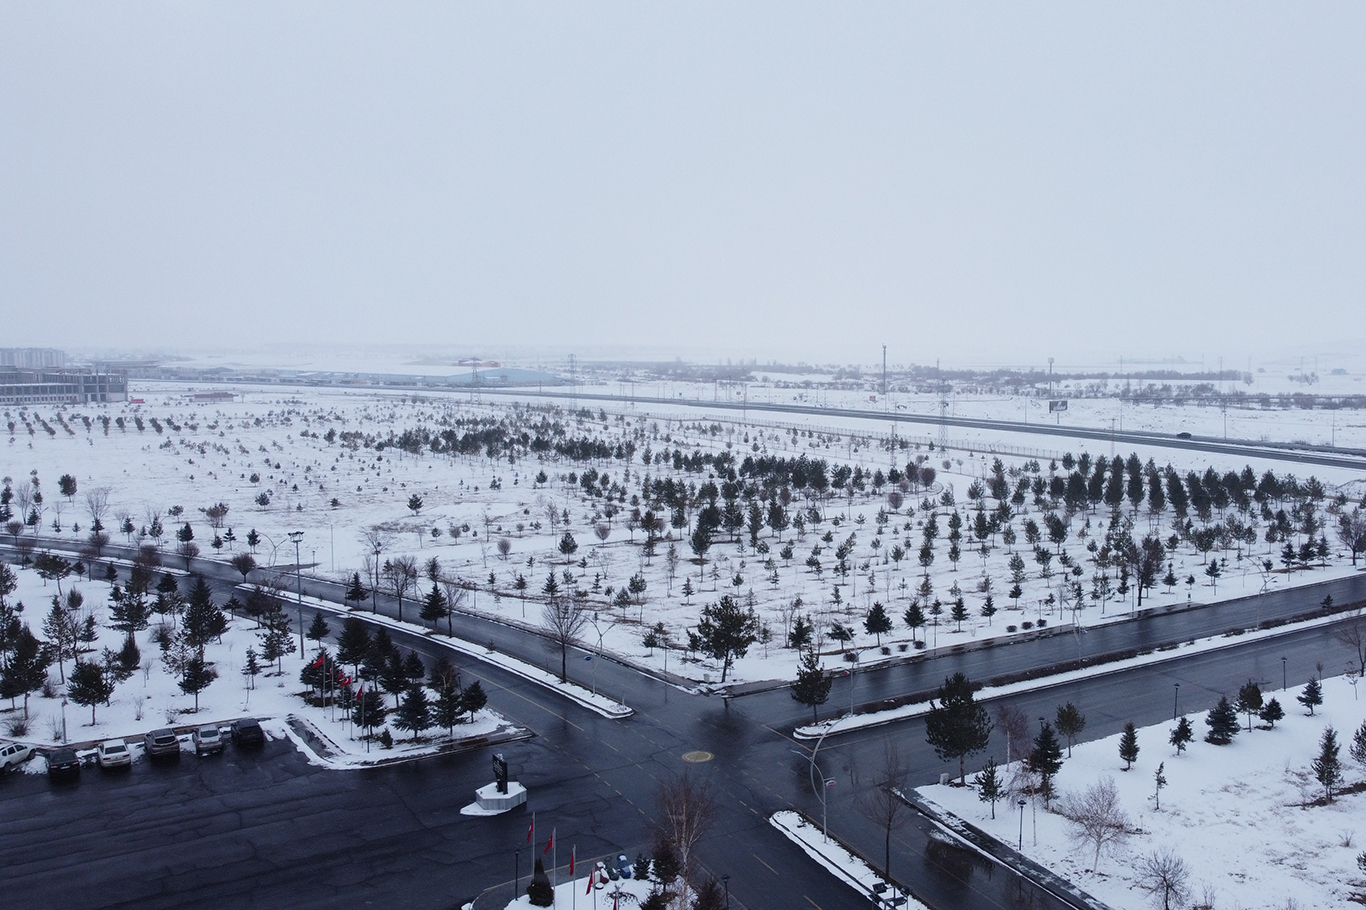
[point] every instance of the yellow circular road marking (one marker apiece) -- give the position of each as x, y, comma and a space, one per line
697, 757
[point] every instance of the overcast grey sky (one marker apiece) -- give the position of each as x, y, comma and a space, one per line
970, 182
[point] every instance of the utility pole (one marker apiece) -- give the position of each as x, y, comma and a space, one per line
884, 372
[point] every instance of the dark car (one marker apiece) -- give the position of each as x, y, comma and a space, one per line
63, 763
162, 743
1183, 435
247, 732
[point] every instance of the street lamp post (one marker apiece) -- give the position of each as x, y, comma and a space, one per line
64, 721
1283, 684
1021, 804
725, 880
297, 536
516, 873
819, 792
1176, 698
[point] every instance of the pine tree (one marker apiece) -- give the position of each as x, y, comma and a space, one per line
203, 621
1070, 722
251, 668
914, 617
1249, 701
958, 612
317, 629
447, 707
353, 643
434, 607
812, 686
988, 609
877, 622
1328, 766
89, 685
1223, 724
276, 639
369, 710
1271, 712
474, 699
1159, 781
1045, 759
1128, 745
957, 726
355, 591
539, 893
1358, 748
1182, 735
1312, 696
25, 670
195, 678
988, 781
414, 713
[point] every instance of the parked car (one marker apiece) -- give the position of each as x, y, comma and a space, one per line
1183, 435
113, 753
14, 755
63, 762
162, 742
247, 732
208, 739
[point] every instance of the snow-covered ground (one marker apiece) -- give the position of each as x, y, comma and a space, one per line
844, 865
1247, 818
287, 460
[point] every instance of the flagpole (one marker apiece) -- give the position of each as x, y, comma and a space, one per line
555, 862
573, 885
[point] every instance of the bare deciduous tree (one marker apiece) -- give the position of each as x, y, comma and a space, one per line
1352, 633
882, 804
401, 574
563, 618
1165, 876
1096, 816
97, 505
1014, 723
686, 810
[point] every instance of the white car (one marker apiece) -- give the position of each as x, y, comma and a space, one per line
207, 739
113, 753
14, 755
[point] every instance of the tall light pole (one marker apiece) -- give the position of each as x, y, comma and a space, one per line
819, 792
1283, 685
1176, 698
297, 536
1020, 844
725, 880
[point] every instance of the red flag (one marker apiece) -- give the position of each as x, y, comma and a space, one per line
345, 681
549, 843
571, 861
317, 663
589, 889
531, 830
361, 690
614, 902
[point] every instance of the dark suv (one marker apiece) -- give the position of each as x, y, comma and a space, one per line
247, 732
162, 743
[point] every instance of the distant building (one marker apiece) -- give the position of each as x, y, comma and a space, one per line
33, 358
59, 386
213, 396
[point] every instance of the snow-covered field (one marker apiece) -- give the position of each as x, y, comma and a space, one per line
286, 460
1248, 819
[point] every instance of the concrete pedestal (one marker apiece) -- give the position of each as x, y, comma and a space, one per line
488, 801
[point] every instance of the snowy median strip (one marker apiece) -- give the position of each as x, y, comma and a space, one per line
848, 724
601, 704
844, 865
